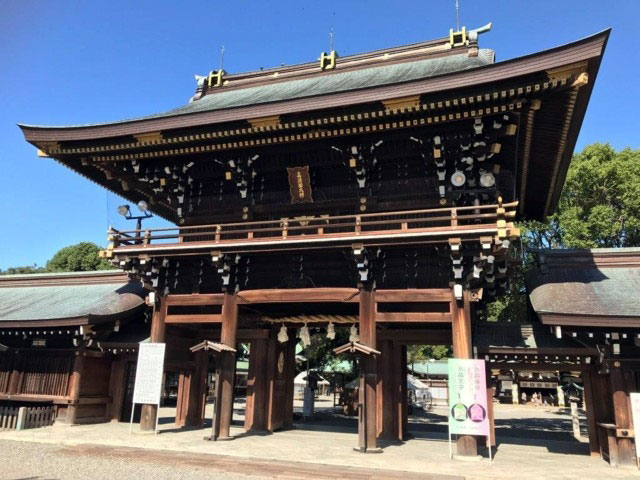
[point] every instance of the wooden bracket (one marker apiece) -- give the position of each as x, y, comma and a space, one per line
402, 103
265, 122
150, 137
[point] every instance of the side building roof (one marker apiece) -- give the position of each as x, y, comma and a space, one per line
65, 299
594, 288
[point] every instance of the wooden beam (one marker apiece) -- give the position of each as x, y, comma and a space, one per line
416, 337
542, 367
195, 299
414, 295
194, 318
413, 317
306, 295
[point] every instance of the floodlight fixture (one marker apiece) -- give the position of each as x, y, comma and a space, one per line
124, 210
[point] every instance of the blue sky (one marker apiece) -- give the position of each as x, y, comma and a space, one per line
70, 62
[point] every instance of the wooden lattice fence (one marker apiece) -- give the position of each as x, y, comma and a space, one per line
22, 418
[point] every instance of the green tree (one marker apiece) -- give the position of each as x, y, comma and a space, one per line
599, 207
22, 270
320, 351
82, 257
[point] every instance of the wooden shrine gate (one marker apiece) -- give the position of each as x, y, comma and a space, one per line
269, 405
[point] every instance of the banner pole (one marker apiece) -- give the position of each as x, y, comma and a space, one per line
490, 444
449, 430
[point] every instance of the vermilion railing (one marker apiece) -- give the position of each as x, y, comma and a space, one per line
446, 219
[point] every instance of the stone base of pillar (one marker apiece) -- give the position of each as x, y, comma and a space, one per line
367, 450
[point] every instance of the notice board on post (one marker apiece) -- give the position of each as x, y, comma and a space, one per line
148, 384
468, 409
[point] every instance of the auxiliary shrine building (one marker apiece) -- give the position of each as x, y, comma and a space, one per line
377, 191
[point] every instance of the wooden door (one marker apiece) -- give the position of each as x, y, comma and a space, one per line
277, 385
127, 401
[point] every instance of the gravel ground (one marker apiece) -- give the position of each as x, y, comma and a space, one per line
31, 461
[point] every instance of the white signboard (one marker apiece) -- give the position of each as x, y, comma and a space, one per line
635, 416
148, 385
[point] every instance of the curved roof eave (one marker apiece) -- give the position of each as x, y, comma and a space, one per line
585, 49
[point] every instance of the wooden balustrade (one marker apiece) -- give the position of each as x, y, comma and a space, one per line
400, 223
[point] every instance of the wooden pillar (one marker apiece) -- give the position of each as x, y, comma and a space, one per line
74, 388
149, 412
290, 375
592, 427
116, 387
368, 397
228, 361
14, 378
182, 401
461, 332
255, 417
404, 412
195, 383
387, 416
622, 414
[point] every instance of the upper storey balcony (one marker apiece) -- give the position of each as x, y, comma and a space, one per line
488, 225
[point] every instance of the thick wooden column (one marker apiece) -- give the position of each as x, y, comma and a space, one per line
116, 387
289, 377
14, 378
404, 412
592, 427
74, 388
461, 332
182, 402
387, 416
255, 417
368, 397
228, 370
149, 412
622, 414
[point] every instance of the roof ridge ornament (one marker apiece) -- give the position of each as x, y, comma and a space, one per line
328, 61
215, 78
463, 37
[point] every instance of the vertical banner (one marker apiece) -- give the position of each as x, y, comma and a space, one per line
635, 416
468, 413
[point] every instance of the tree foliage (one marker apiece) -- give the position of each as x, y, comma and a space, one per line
22, 270
599, 207
420, 353
320, 352
82, 257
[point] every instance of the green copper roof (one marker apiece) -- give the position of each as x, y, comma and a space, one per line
333, 82
586, 291
438, 367
515, 335
49, 302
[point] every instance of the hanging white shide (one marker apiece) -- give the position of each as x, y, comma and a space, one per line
353, 334
305, 336
282, 334
331, 331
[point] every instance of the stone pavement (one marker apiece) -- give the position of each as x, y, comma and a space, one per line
322, 447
